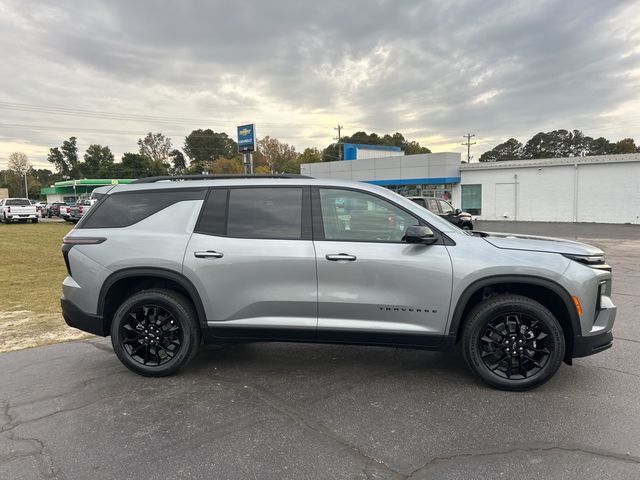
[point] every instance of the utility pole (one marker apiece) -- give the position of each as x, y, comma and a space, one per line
339, 139
468, 143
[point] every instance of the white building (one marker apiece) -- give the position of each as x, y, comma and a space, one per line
603, 189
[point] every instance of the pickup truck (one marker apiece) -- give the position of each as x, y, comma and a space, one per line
79, 209
19, 209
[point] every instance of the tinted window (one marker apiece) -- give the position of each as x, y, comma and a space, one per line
356, 216
419, 201
265, 213
125, 209
214, 213
17, 202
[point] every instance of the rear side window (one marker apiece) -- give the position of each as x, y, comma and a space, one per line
262, 212
265, 213
127, 208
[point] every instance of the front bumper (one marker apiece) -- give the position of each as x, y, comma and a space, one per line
81, 320
585, 346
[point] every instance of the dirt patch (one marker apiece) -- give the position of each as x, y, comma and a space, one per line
23, 329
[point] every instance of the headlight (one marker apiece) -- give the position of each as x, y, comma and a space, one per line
586, 259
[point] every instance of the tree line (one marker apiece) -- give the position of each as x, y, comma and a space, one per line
206, 151
557, 144
203, 151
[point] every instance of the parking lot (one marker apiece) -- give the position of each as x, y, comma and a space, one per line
296, 411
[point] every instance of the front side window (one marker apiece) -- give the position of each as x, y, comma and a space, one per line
265, 213
446, 207
433, 205
360, 217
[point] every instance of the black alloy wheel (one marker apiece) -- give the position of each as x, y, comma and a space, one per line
155, 332
151, 335
513, 346
512, 342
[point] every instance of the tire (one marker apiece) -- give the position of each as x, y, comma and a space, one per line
5, 220
34, 220
512, 342
143, 340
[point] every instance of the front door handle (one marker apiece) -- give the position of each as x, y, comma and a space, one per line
208, 254
337, 257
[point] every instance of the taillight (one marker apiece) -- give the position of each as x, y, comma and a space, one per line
80, 210
8, 209
83, 240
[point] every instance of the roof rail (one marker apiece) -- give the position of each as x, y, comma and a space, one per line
222, 176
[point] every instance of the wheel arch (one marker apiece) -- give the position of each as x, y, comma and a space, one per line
547, 292
123, 283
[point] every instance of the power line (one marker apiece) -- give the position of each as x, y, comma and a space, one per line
468, 143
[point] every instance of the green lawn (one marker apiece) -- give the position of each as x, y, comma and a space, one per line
31, 274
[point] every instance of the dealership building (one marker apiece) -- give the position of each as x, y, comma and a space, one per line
603, 189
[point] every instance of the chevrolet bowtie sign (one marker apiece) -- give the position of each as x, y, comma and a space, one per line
246, 138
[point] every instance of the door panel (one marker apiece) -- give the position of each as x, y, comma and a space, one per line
373, 287
255, 283
389, 288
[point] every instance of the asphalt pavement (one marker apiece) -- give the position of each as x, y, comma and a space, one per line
295, 411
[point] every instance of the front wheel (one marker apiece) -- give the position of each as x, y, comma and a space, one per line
155, 332
513, 342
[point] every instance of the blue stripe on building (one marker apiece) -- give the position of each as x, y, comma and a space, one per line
414, 181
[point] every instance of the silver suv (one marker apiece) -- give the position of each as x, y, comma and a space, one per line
167, 263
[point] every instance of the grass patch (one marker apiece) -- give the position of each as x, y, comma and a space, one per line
31, 279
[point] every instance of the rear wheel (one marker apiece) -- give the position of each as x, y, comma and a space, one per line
513, 342
155, 332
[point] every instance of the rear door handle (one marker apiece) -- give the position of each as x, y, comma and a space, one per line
208, 254
337, 257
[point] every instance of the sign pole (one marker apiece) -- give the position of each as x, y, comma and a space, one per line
244, 163
251, 163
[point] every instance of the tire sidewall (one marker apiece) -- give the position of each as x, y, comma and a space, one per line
182, 312
484, 313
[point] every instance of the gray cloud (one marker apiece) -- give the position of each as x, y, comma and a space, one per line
436, 69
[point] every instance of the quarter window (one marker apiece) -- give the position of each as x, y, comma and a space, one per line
360, 217
127, 208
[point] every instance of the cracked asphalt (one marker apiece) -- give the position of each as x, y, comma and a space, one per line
295, 411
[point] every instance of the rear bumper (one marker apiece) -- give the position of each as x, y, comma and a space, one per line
25, 216
81, 320
585, 346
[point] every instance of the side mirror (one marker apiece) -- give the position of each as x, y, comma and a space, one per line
419, 234
458, 211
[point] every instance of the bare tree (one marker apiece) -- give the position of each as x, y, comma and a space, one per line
19, 164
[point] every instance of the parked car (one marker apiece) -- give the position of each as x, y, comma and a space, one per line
79, 209
17, 209
445, 210
40, 207
53, 209
65, 212
163, 266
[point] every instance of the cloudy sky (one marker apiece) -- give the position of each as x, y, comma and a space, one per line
107, 72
